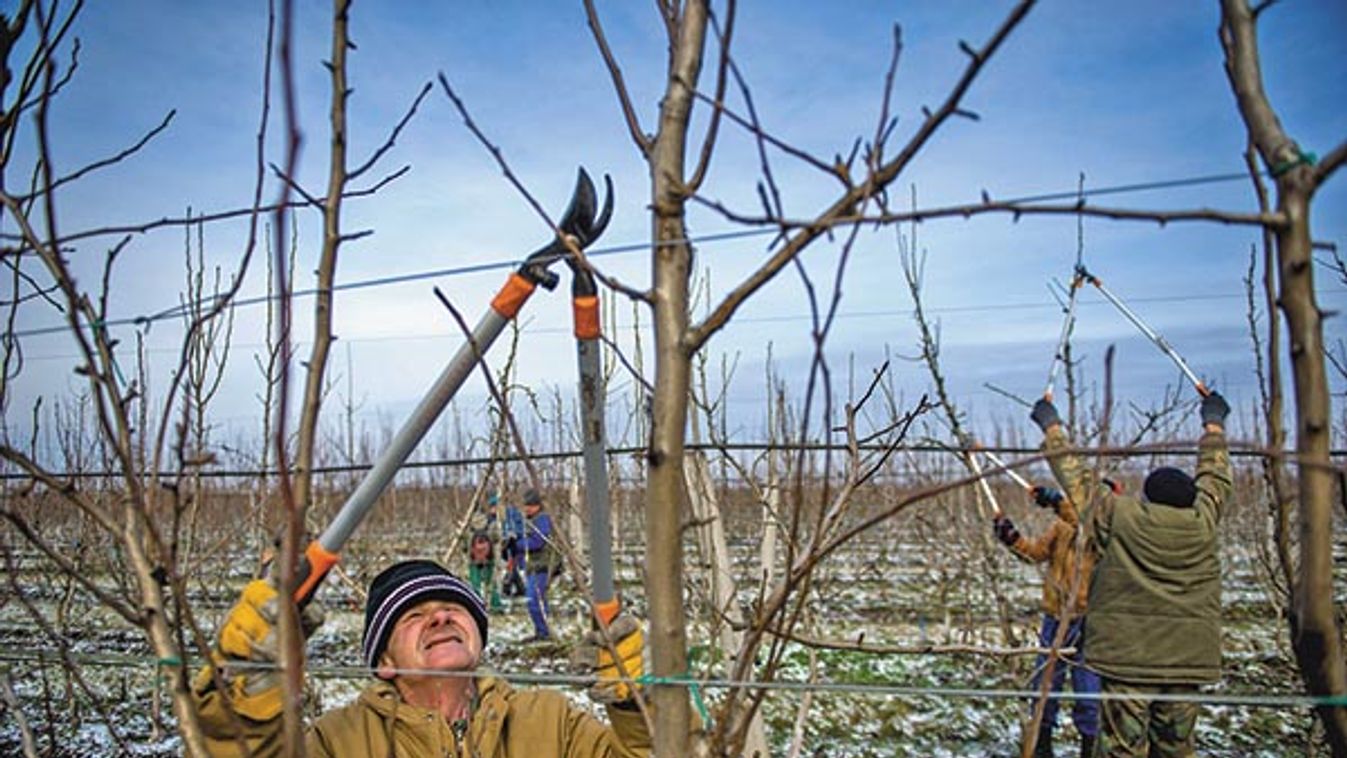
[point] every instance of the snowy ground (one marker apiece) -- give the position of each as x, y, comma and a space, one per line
843, 724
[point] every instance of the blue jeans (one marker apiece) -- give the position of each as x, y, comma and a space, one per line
1085, 713
538, 608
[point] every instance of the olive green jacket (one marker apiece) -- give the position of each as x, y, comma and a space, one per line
1155, 599
506, 723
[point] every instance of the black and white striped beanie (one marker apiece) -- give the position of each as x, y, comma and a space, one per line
402, 586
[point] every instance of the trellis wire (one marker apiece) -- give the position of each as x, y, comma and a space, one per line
1273, 700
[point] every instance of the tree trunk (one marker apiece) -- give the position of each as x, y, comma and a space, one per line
664, 489
671, 267
1314, 627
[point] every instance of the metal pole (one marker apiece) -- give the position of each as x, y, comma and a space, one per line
423, 417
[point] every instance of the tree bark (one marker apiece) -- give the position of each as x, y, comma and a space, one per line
1314, 628
671, 264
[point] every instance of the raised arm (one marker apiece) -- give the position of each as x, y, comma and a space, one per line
247, 710
1077, 479
1214, 479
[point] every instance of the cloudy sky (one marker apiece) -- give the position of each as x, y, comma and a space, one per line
1123, 93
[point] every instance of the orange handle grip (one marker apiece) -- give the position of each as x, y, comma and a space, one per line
317, 562
606, 610
585, 312
512, 296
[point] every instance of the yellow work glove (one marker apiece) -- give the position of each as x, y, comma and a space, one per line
593, 654
248, 651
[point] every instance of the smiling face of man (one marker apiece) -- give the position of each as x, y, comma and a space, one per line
433, 635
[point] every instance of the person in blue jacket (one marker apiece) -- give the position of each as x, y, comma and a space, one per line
538, 562
512, 537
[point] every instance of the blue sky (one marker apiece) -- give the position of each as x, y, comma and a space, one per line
1125, 93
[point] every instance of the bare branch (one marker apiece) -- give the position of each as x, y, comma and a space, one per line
67, 490
309, 199
643, 141
1259, 8
132, 150
496, 153
617, 350
846, 205
171, 221
68, 568
1330, 163
534, 480
392, 138
1265, 219
709, 141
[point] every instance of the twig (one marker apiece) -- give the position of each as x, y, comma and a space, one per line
393, 137
643, 141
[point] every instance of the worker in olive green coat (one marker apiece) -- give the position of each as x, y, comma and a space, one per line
425, 630
1155, 599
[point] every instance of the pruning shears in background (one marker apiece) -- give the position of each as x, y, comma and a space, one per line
1059, 358
1007, 470
1155, 338
584, 222
1045, 497
969, 446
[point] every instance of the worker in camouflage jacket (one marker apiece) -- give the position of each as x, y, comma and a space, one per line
425, 631
1065, 593
1155, 599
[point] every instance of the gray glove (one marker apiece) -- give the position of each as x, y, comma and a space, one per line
1045, 414
1214, 409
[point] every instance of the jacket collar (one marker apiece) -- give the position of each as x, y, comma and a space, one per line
485, 725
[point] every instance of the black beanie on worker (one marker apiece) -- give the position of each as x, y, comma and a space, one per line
402, 586
1170, 486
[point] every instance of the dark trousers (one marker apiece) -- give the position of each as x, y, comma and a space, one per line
1085, 713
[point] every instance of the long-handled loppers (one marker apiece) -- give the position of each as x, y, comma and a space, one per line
1059, 358
584, 222
1012, 473
585, 310
1150, 333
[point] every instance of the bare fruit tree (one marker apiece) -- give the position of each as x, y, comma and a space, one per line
1314, 626
689, 29
140, 513
674, 184
155, 438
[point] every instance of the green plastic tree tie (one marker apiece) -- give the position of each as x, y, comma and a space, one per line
98, 325
687, 680
1302, 159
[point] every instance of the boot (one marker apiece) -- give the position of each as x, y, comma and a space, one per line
1087, 745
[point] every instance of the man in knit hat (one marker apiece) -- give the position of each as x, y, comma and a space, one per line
1154, 627
425, 632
